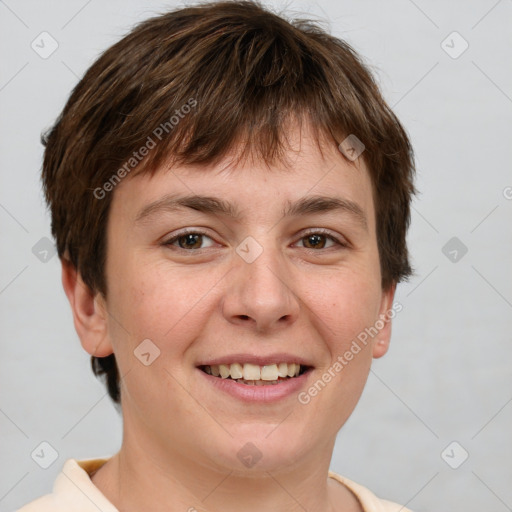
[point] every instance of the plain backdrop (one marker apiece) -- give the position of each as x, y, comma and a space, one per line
433, 428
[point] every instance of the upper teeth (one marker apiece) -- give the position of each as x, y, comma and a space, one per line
250, 371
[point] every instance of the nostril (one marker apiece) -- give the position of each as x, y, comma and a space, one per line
244, 317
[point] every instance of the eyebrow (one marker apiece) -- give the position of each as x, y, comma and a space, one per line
217, 206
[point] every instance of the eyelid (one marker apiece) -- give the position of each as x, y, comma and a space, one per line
339, 240
169, 241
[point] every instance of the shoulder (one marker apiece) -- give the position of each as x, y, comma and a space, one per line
368, 500
73, 490
39, 505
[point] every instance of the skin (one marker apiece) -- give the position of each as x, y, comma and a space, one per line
181, 435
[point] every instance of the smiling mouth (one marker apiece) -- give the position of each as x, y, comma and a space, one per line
255, 375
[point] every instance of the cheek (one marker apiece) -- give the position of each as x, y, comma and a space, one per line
164, 304
344, 304
155, 303
342, 314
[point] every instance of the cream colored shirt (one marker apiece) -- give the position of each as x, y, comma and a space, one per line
73, 491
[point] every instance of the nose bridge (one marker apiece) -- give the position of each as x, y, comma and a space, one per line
267, 272
260, 290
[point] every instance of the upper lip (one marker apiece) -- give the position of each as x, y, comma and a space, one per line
256, 359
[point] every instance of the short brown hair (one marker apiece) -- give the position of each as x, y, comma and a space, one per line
244, 72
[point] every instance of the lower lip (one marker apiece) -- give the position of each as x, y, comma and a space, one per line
267, 393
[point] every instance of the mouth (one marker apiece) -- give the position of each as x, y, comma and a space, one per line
256, 375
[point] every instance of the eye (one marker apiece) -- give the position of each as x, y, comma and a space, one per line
319, 240
190, 240
195, 240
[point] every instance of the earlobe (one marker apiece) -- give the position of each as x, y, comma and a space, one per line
382, 339
89, 312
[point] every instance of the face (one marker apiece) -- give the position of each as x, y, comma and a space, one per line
255, 273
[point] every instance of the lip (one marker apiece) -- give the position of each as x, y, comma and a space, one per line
257, 394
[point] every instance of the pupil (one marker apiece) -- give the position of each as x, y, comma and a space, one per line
189, 240
315, 240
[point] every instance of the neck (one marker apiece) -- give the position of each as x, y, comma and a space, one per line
140, 477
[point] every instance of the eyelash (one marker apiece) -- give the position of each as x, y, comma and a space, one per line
320, 231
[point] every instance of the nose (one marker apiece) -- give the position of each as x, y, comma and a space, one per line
260, 294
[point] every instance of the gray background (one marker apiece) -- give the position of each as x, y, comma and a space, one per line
448, 375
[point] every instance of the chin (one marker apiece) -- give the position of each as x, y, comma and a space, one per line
261, 447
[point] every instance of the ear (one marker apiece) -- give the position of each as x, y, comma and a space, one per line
89, 312
386, 313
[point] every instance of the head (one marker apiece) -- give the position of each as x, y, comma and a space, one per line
230, 101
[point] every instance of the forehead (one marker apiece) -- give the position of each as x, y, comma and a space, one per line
309, 174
